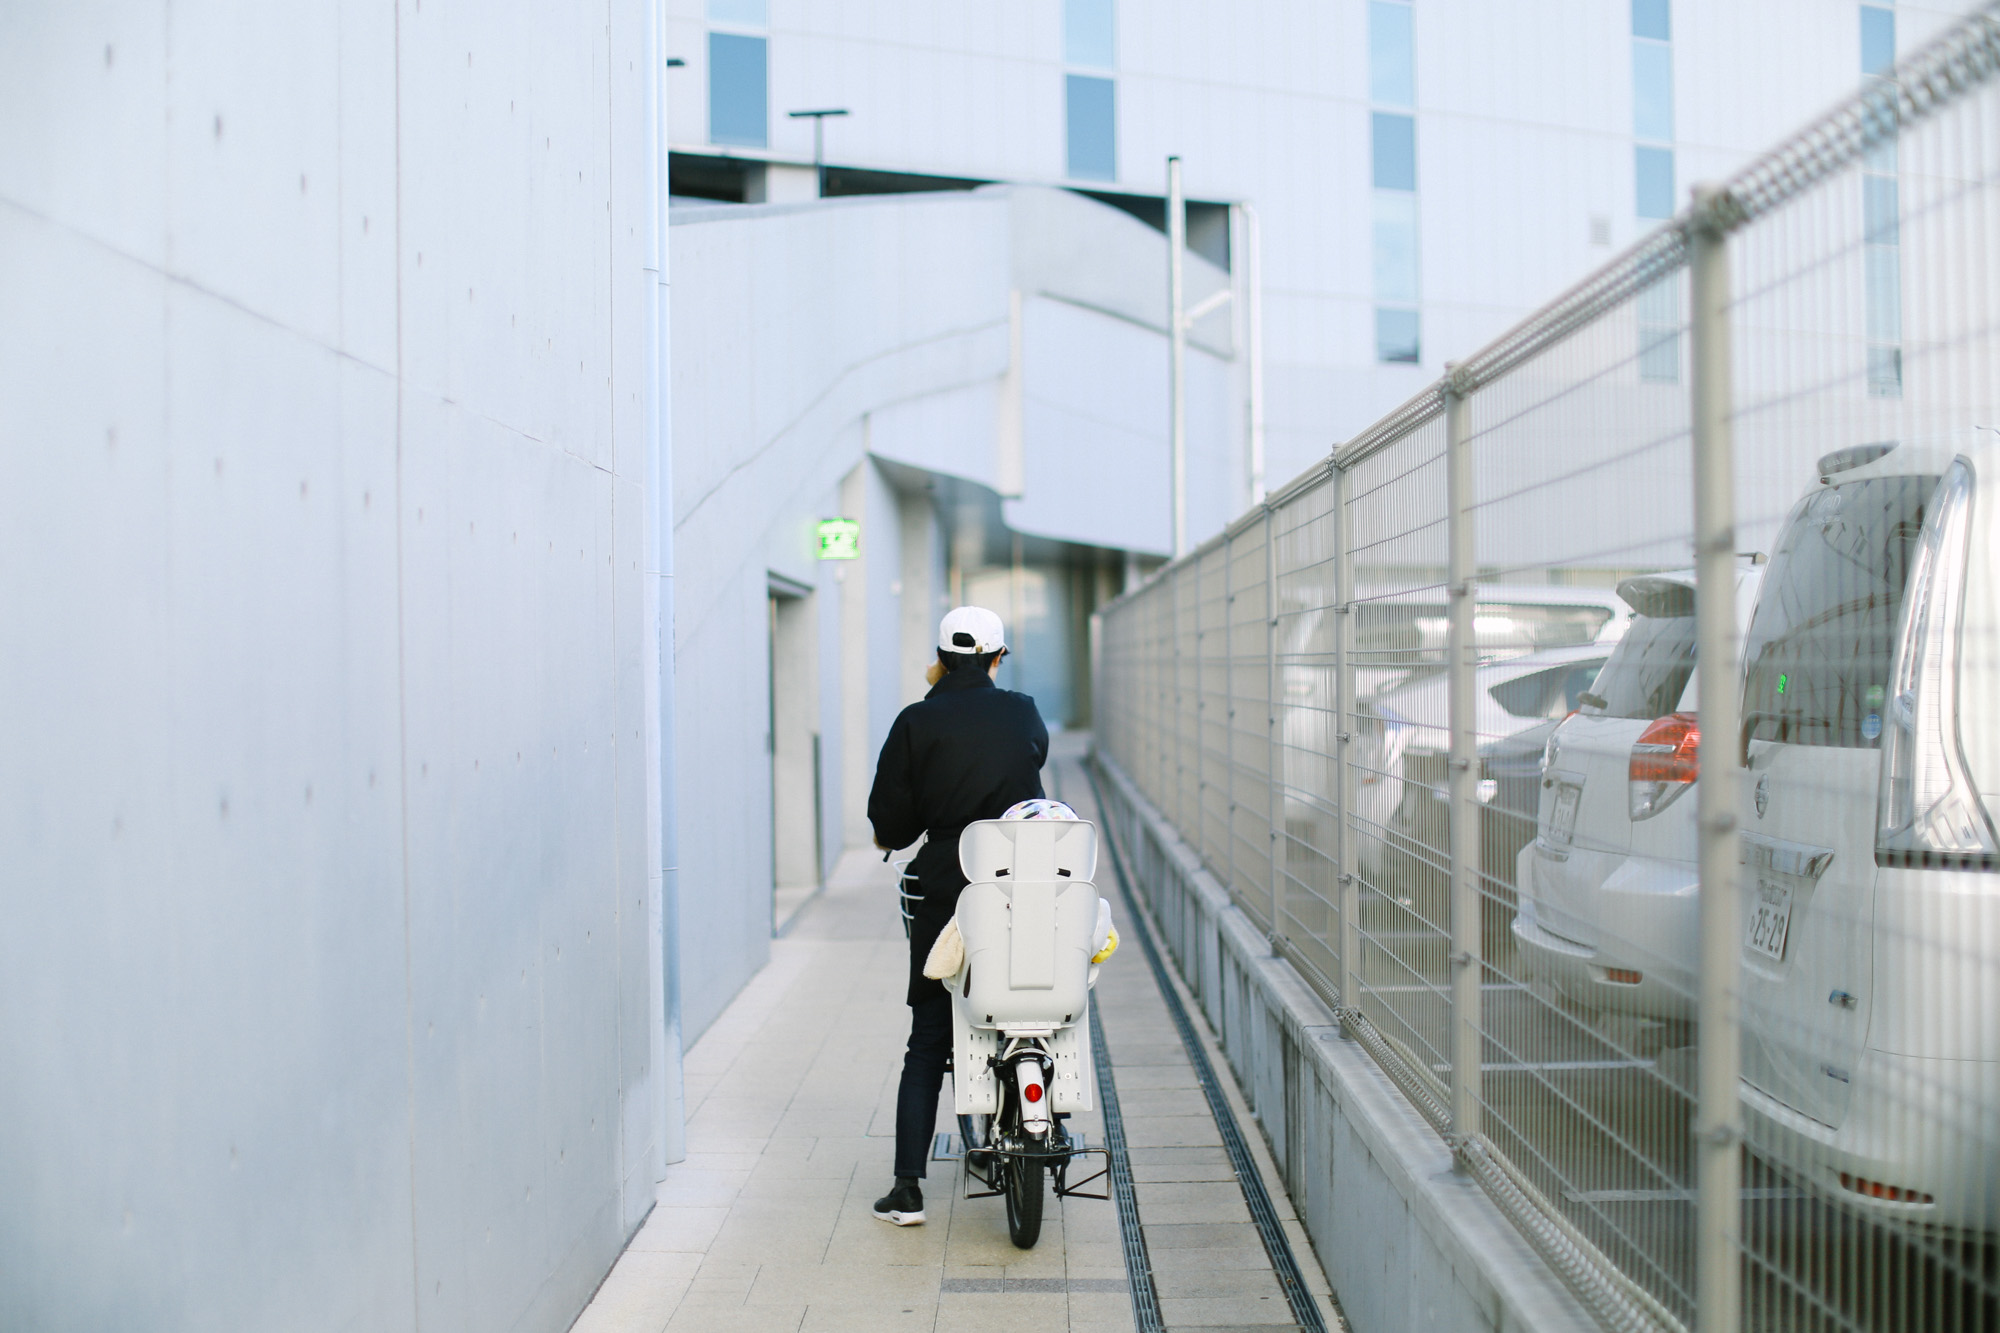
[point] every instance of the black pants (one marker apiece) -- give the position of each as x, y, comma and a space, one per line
923, 1079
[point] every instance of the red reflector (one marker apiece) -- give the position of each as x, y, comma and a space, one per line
1624, 976
1875, 1189
1033, 1092
1668, 750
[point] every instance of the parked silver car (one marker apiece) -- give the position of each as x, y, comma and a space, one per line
1871, 938
1608, 888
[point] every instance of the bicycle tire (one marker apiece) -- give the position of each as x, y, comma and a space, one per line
1024, 1201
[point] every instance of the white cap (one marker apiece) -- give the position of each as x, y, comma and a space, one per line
971, 629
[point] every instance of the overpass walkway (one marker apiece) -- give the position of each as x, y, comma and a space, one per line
766, 1226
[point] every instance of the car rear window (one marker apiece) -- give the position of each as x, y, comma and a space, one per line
1648, 670
1406, 633
1822, 640
1551, 692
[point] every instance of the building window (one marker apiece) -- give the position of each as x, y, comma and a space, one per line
1882, 255
1392, 65
738, 97
1396, 336
1652, 109
1653, 172
1392, 84
1659, 311
1395, 247
1395, 155
1087, 33
1093, 128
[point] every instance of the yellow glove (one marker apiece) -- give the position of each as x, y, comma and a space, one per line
1110, 947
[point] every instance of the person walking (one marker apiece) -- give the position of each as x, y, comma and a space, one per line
966, 751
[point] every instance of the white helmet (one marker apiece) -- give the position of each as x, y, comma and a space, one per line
1039, 809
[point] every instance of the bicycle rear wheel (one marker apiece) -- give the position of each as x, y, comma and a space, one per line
1024, 1200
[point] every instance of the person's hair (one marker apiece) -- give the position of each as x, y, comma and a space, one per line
948, 661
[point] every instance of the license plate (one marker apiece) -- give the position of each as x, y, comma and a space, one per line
1562, 816
1770, 918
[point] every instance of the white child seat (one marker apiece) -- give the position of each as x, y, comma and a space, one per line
1028, 916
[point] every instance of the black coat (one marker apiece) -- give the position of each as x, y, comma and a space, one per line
966, 752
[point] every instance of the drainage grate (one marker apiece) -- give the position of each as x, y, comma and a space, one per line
1138, 1268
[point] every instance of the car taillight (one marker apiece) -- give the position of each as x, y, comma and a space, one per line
1665, 762
1929, 812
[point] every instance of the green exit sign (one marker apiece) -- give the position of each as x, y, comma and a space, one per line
839, 539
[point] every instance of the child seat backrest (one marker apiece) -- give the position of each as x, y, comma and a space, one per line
1027, 915
1027, 952
996, 850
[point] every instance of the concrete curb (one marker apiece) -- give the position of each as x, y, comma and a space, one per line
1407, 1242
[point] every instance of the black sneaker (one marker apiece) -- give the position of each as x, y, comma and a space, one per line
902, 1206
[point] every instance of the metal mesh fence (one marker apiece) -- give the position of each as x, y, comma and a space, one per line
1717, 1023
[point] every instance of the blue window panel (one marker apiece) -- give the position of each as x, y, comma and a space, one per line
1878, 203
749, 13
1392, 60
1395, 149
738, 103
1884, 276
1882, 159
1653, 181
1395, 247
1878, 39
1659, 354
1660, 304
1093, 128
1396, 336
1653, 91
1650, 18
1087, 33
1885, 372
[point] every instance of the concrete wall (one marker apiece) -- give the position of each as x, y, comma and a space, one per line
1409, 1244
324, 987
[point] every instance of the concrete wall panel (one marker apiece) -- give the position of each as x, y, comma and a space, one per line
325, 1001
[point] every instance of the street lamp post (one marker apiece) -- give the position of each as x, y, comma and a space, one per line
819, 142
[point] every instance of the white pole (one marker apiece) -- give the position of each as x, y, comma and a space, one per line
1718, 1065
1253, 339
1464, 852
663, 887
1177, 345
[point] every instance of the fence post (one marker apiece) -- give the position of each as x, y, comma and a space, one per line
1229, 709
1347, 881
1464, 767
1718, 1126
1274, 756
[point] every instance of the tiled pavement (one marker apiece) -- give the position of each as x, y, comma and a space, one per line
791, 1104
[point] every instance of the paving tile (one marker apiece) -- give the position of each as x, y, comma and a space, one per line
1179, 1281
846, 1284
1100, 1312
671, 1228
638, 1296
1208, 1311
1226, 1197
1172, 1132
1162, 1101
1146, 1078
1002, 1312
1202, 1235
865, 1317
1161, 1173
741, 1319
